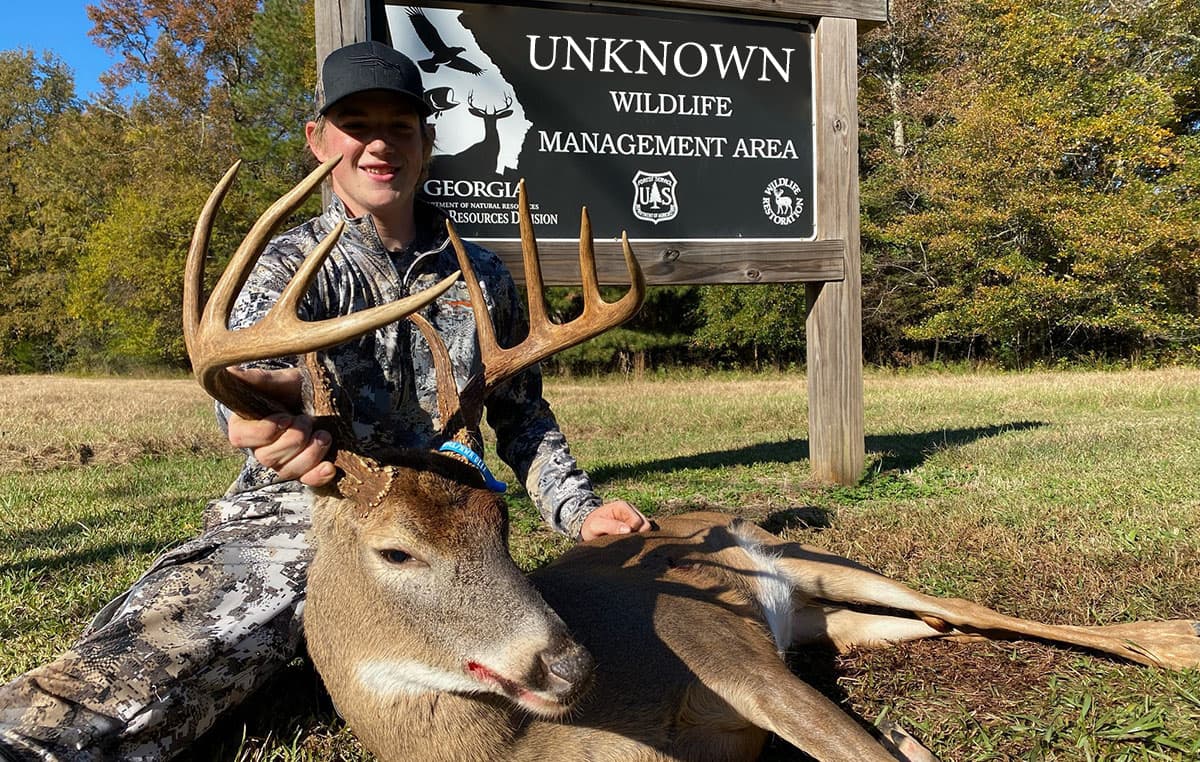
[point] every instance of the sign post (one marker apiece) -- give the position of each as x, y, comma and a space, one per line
721, 135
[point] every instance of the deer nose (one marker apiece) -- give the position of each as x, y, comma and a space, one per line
568, 671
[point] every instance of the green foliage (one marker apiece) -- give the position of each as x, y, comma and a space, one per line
39, 96
621, 349
99, 253
273, 105
660, 334
1042, 202
129, 283
754, 324
1029, 176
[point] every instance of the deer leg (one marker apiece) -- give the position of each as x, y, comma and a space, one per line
763, 691
847, 630
822, 576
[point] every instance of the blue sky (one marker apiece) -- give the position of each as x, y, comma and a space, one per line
60, 26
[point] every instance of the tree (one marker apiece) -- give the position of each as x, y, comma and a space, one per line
274, 103
39, 95
1045, 207
217, 92
755, 324
188, 56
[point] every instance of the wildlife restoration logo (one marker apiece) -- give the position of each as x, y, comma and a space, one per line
654, 198
782, 201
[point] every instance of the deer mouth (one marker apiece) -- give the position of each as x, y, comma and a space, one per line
553, 701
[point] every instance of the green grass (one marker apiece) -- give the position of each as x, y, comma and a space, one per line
1064, 496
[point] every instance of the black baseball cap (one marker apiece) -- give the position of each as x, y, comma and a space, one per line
363, 66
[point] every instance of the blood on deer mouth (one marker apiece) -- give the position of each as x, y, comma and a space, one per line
533, 701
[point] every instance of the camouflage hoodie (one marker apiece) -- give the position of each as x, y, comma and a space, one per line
387, 376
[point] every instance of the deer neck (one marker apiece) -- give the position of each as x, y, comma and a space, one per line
491, 131
467, 728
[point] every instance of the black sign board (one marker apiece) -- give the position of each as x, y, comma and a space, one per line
669, 125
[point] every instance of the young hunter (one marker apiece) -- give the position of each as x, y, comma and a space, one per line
213, 619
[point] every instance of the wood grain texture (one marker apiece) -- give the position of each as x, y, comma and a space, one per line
338, 23
686, 262
862, 10
834, 327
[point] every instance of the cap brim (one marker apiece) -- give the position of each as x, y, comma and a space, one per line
414, 100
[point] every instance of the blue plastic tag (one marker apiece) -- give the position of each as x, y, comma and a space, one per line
472, 457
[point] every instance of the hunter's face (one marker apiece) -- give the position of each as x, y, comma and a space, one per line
383, 147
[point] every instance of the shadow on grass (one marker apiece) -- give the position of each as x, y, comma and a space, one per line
95, 555
289, 717
68, 544
896, 451
903, 452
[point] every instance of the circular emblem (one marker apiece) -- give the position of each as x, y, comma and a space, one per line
782, 202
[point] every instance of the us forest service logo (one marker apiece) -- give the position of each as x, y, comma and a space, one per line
654, 198
782, 202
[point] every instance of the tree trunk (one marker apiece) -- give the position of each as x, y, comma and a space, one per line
895, 93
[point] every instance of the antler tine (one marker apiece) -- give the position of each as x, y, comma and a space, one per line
593, 305
220, 301
193, 273
212, 347
546, 338
535, 291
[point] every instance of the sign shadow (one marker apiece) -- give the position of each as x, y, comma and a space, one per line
895, 451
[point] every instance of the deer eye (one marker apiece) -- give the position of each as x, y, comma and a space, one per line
394, 556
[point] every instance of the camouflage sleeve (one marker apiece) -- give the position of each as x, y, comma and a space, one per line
527, 435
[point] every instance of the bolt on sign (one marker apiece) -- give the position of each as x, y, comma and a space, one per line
672, 125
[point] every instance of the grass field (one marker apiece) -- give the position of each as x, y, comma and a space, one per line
1065, 496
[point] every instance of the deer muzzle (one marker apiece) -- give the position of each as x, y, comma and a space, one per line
561, 674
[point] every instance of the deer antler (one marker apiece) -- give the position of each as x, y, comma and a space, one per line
212, 347
545, 337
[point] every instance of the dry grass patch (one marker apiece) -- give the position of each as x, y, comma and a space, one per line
55, 421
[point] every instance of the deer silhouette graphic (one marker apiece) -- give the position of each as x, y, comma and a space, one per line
485, 153
783, 202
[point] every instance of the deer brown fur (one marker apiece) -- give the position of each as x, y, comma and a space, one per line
635, 648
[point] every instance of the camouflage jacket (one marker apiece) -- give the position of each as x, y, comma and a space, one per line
387, 376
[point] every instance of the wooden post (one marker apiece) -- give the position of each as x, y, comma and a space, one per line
338, 23
834, 327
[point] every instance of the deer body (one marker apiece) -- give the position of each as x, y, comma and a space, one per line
635, 648
686, 625
649, 609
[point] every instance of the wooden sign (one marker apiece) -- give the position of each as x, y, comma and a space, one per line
666, 124
570, 100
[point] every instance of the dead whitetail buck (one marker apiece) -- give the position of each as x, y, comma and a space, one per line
640, 647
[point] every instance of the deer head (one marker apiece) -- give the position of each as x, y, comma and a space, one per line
412, 590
